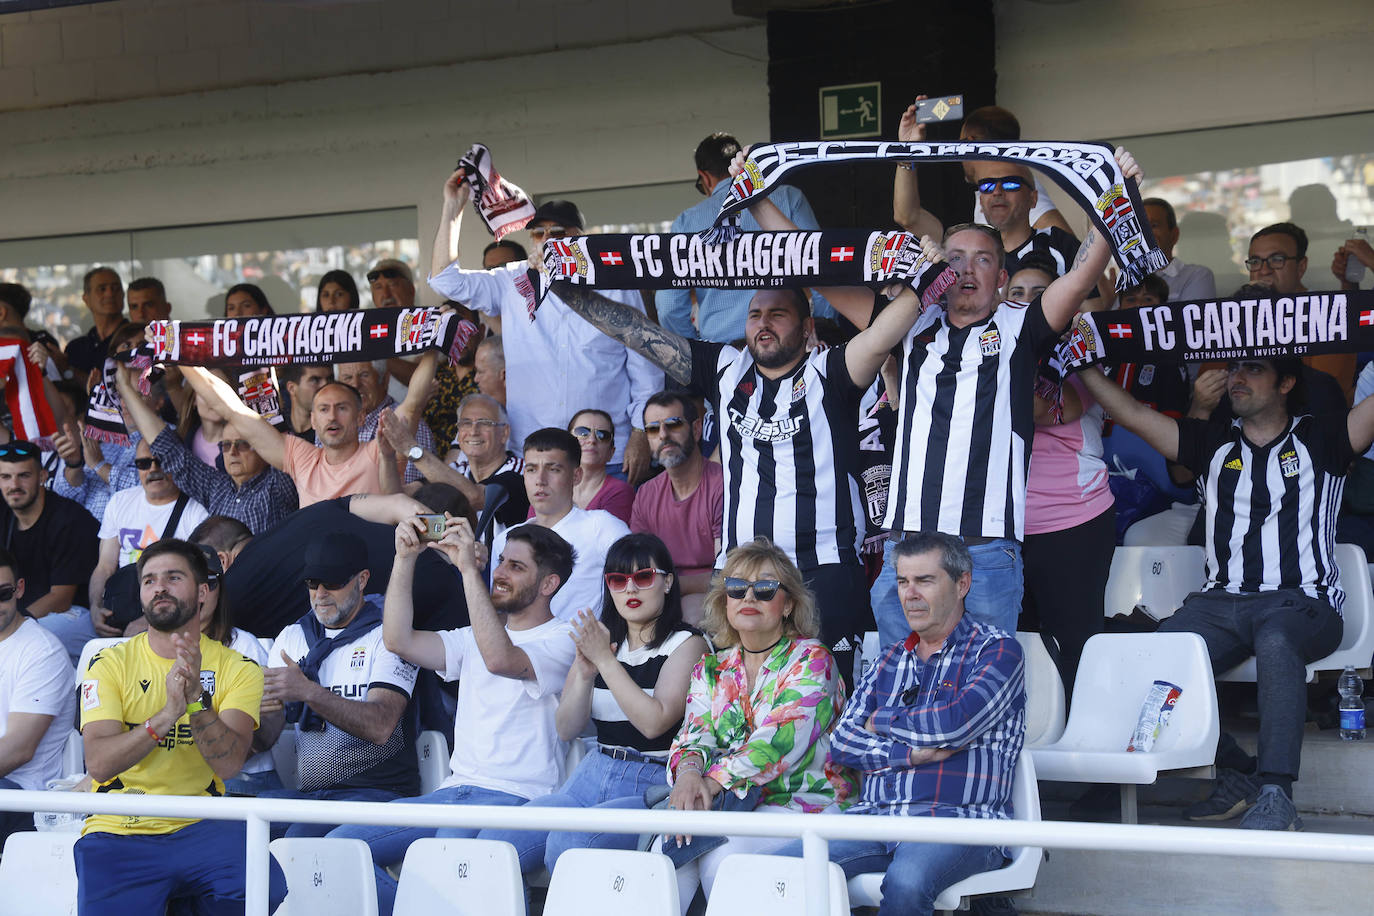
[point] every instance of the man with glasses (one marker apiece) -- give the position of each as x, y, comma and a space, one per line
1007, 193
391, 285
720, 313
135, 518
240, 484
685, 505
53, 539
345, 693
557, 364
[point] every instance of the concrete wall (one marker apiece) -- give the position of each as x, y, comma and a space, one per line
277, 120
1114, 69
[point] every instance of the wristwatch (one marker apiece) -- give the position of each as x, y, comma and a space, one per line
202, 703
415, 453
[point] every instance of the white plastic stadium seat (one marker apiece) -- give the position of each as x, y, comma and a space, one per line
612, 882
1154, 578
1044, 692
1114, 676
1357, 639
325, 875
770, 886
38, 874
432, 752
459, 877
73, 754
87, 651
1017, 875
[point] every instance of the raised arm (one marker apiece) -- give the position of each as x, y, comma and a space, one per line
1062, 298
906, 189
1159, 431
864, 355
456, 193
669, 351
419, 647
501, 656
266, 440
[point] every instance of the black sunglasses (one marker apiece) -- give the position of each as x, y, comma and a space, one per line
669, 423
228, 445
313, 584
602, 435
7, 592
19, 449
144, 464
764, 589
391, 273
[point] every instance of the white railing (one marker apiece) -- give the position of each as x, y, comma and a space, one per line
815, 830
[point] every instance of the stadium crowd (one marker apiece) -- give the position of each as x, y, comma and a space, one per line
661, 532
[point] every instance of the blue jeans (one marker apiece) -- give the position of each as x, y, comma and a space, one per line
915, 873
389, 844
120, 875
995, 597
254, 783
560, 841
72, 628
887, 606
598, 778
299, 830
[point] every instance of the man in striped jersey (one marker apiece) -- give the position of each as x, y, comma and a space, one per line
789, 432
1271, 486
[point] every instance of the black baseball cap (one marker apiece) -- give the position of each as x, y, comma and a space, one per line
562, 212
335, 557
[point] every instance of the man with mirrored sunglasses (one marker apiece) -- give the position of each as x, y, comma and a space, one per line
685, 505
239, 484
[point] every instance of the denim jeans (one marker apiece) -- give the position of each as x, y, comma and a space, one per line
915, 873
255, 783
280, 829
598, 778
887, 606
72, 628
995, 597
389, 844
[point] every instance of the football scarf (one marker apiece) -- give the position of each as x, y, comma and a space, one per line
1308, 324
1086, 171
750, 260
31, 417
321, 337
104, 418
502, 206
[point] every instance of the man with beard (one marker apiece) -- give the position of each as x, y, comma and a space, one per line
168, 712
683, 506
789, 441
348, 697
52, 538
512, 661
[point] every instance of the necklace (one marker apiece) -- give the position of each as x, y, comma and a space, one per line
745, 648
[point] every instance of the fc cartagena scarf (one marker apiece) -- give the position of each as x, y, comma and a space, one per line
503, 207
31, 417
104, 418
1086, 171
322, 337
749, 260
1301, 325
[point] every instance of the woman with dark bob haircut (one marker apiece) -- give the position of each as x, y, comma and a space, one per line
629, 679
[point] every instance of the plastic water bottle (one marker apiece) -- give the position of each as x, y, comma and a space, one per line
1352, 705
1354, 267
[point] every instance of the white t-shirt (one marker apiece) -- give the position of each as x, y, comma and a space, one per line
137, 523
591, 533
504, 736
247, 645
333, 757
36, 677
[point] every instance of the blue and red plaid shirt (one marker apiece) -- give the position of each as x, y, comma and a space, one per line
970, 695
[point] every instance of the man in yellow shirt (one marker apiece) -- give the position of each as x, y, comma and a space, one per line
168, 712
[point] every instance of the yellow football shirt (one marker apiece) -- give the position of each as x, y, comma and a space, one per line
127, 683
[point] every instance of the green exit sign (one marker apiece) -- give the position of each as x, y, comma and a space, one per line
851, 111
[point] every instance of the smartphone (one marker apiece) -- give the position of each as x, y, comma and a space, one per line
944, 108
434, 527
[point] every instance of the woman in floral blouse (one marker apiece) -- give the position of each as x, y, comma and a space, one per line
760, 710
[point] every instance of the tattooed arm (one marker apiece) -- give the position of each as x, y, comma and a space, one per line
669, 351
225, 741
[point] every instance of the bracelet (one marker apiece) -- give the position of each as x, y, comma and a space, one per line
152, 733
692, 765
909, 166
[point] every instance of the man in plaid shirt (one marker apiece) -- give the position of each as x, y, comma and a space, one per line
935, 728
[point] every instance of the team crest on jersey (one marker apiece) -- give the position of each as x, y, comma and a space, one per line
1288, 463
1147, 374
1233, 465
990, 342
207, 681
359, 659
798, 389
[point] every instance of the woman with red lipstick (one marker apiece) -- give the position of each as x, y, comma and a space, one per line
760, 710
630, 680
595, 432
